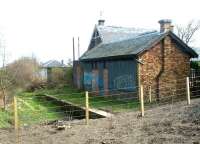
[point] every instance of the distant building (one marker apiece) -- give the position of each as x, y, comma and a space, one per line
123, 58
46, 69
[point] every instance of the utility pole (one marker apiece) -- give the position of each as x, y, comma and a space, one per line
78, 48
73, 50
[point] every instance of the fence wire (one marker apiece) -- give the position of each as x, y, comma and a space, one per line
64, 110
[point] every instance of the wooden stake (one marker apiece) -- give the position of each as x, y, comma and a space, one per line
188, 90
16, 122
87, 107
141, 100
150, 94
15, 113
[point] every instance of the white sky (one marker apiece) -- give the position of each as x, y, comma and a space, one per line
45, 27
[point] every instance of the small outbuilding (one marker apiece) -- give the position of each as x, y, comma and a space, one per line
123, 58
47, 67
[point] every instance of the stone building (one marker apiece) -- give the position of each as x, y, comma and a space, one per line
123, 58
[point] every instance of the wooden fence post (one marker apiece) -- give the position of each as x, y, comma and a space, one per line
141, 100
16, 122
188, 90
15, 113
150, 94
87, 107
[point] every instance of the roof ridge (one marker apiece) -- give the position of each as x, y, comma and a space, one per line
122, 27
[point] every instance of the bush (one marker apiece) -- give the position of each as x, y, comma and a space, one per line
69, 75
195, 65
60, 77
24, 73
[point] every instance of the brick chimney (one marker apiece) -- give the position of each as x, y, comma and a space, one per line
101, 22
165, 25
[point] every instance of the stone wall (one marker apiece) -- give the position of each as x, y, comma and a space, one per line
165, 69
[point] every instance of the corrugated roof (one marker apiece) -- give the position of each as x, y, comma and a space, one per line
53, 64
125, 47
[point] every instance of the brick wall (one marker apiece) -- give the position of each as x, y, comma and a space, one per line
165, 69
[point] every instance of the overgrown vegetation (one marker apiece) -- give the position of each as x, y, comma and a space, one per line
18, 75
60, 77
195, 65
21, 76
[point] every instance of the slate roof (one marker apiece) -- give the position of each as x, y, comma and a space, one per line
122, 42
111, 34
53, 64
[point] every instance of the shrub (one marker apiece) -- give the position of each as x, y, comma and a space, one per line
195, 65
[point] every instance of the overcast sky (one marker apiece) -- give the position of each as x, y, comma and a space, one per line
44, 28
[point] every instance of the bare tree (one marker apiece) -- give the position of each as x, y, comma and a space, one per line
5, 80
24, 71
186, 33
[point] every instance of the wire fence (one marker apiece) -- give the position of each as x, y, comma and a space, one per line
63, 110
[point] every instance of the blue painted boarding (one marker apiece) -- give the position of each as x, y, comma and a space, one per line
121, 75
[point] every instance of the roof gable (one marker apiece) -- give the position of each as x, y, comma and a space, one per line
95, 39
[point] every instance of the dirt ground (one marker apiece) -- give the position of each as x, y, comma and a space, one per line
168, 124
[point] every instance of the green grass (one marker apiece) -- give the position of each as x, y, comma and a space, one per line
33, 110
99, 102
5, 119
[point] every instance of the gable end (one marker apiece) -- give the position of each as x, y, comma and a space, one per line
95, 39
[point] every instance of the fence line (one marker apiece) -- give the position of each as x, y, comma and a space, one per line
79, 108
103, 103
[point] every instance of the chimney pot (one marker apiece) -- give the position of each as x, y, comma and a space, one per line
165, 25
101, 22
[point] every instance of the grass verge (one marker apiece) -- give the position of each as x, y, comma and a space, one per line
109, 103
